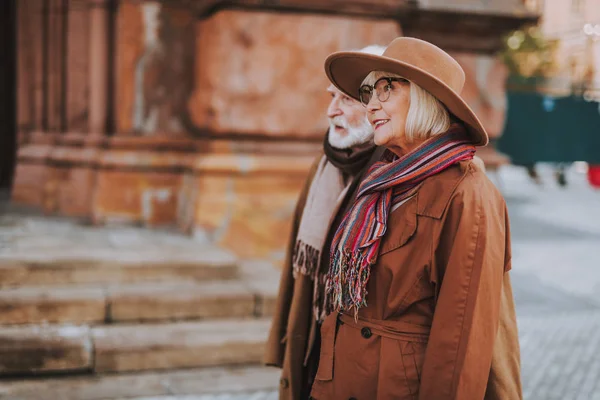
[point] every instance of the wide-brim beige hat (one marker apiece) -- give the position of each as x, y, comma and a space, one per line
418, 61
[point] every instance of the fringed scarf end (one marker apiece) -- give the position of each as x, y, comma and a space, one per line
346, 286
305, 259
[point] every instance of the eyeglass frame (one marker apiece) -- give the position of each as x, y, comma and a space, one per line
372, 88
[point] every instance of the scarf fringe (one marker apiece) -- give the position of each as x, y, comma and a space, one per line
346, 286
305, 259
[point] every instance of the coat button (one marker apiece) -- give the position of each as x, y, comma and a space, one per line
284, 383
366, 332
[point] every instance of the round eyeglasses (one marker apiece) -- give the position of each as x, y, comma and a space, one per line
383, 87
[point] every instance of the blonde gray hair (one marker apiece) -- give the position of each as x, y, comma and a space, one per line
426, 117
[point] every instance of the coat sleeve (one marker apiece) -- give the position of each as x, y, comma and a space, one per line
505, 374
275, 346
467, 270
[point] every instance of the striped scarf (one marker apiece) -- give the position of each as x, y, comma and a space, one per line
356, 243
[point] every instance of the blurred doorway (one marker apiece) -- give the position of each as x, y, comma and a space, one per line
8, 92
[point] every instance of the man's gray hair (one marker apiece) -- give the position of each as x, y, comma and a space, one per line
374, 49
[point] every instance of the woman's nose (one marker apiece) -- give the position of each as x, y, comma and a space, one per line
373, 104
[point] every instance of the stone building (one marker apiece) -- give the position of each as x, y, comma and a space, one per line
575, 24
204, 115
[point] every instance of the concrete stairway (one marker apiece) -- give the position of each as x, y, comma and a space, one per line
105, 324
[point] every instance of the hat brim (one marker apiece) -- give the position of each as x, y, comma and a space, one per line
346, 70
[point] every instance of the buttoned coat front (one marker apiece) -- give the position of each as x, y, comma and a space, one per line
440, 321
294, 332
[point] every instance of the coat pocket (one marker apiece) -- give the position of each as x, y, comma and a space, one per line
413, 355
401, 226
328, 332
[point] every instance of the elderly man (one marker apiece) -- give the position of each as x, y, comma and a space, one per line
348, 147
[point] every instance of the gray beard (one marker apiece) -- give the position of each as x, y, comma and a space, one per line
355, 136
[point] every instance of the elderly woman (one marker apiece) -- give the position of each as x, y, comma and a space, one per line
418, 297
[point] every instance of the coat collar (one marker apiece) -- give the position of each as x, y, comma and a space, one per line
435, 192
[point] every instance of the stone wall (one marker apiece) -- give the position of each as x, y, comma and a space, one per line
248, 72
177, 78
484, 89
53, 68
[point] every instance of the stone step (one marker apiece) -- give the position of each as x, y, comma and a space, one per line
38, 305
135, 302
38, 349
133, 347
203, 381
179, 345
108, 267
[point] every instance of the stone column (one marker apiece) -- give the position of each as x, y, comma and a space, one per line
99, 65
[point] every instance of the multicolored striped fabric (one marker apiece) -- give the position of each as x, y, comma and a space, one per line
355, 246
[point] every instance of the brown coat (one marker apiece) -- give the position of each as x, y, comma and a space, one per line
292, 333
440, 321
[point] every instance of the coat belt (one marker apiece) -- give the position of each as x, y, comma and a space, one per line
388, 328
397, 330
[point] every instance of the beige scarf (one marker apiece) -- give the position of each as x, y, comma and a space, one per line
325, 196
334, 178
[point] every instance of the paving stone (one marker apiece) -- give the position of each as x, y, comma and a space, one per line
29, 305
559, 355
194, 382
249, 395
35, 349
160, 301
178, 345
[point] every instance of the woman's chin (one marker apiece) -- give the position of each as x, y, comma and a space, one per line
380, 139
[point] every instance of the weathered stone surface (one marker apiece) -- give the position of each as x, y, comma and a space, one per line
484, 89
180, 345
31, 305
30, 53
129, 48
249, 214
29, 182
145, 197
279, 85
70, 181
78, 66
74, 194
251, 73
37, 250
231, 379
263, 279
242, 202
166, 300
153, 301
51, 269
195, 381
34, 349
